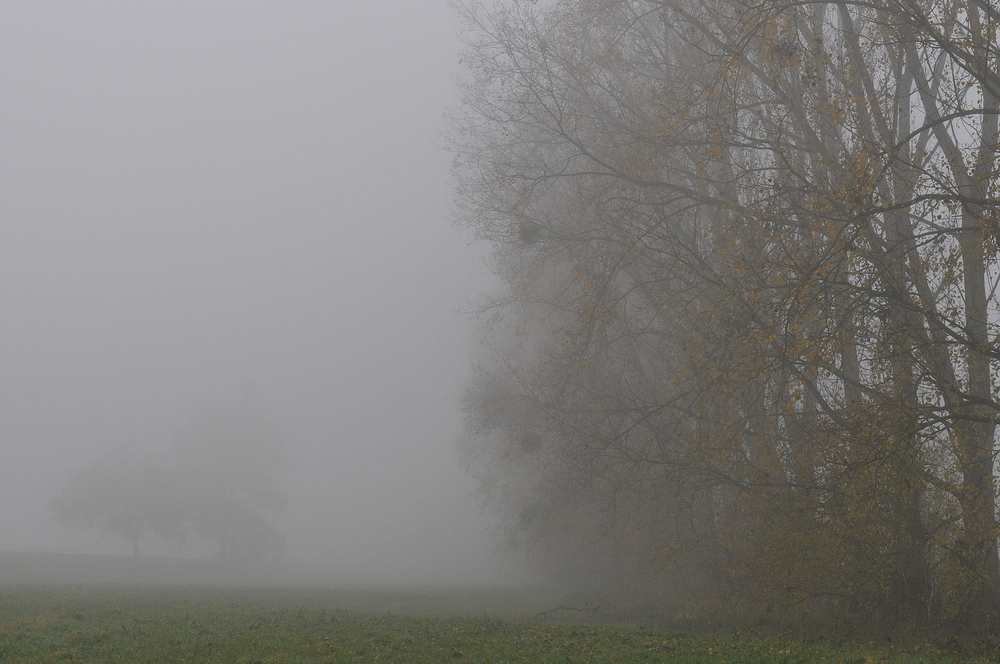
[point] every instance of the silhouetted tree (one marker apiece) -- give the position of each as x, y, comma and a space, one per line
228, 464
123, 496
220, 482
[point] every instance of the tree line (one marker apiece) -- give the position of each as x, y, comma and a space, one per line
744, 360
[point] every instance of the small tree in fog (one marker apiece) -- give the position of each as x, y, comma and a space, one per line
124, 497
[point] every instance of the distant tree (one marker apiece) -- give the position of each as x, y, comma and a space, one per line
123, 496
220, 482
228, 464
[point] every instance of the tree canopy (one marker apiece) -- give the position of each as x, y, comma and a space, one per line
747, 349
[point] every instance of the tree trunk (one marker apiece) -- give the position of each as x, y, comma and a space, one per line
975, 438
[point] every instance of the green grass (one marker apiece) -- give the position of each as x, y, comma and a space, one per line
201, 624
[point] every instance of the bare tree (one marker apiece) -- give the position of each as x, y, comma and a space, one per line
751, 257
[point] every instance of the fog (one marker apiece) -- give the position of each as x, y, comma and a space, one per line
202, 201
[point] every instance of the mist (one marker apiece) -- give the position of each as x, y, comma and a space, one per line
204, 201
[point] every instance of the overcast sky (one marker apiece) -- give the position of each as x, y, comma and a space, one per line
198, 196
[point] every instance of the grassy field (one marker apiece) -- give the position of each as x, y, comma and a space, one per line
78, 623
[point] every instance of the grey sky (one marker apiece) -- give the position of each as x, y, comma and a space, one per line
195, 196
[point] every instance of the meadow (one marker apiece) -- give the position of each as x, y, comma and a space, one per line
151, 623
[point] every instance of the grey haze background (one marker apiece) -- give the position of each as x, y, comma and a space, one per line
196, 197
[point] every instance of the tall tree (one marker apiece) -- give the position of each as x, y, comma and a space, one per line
751, 257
